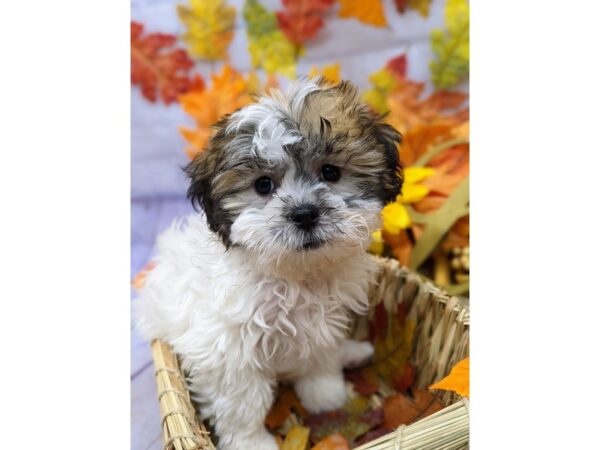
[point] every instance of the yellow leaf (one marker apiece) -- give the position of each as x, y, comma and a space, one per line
296, 439
451, 46
269, 48
367, 11
457, 381
210, 27
395, 218
330, 73
383, 82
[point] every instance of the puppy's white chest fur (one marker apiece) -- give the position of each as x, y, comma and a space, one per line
218, 307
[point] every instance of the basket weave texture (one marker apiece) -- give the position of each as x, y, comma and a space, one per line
441, 340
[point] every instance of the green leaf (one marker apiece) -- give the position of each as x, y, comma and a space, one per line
439, 222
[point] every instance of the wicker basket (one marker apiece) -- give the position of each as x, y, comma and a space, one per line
441, 340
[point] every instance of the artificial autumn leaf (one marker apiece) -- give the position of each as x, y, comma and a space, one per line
296, 439
140, 278
401, 5
334, 441
419, 138
229, 92
451, 167
376, 97
210, 27
302, 19
269, 48
439, 222
408, 109
354, 420
422, 6
330, 73
385, 81
400, 409
364, 380
451, 46
403, 379
457, 381
282, 408
159, 69
369, 12
392, 92
397, 66
393, 350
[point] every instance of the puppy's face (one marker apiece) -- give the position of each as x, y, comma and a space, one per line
303, 174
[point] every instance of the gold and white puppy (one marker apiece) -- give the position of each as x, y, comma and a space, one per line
261, 285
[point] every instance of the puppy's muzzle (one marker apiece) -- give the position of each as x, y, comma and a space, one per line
305, 216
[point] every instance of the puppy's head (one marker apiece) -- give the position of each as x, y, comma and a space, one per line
301, 174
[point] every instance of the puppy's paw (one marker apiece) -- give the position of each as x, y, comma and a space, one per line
355, 353
262, 440
320, 393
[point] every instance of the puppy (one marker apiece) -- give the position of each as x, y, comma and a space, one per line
261, 286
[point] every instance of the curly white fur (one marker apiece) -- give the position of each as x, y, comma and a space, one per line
239, 330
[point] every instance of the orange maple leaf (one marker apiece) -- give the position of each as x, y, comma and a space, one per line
229, 92
408, 110
369, 12
418, 139
302, 19
156, 67
457, 381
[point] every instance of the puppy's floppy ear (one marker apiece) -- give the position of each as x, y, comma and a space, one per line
201, 172
393, 177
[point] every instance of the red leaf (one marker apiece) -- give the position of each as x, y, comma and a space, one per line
157, 68
401, 5
403, 378
397, 66
365, 380
302, 19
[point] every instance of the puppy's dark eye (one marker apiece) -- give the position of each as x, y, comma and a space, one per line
330, 173
264, 185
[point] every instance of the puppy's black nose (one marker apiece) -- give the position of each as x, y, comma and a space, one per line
305, 216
